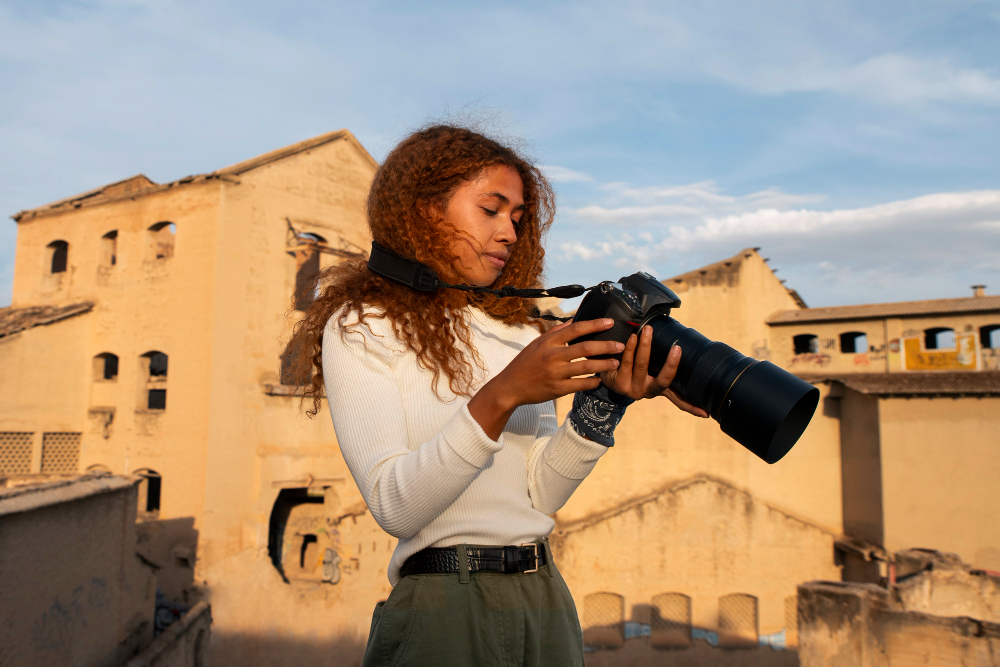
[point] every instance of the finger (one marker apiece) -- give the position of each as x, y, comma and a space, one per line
628, 356
684, 405
590, 366
561, 335
640, 367
590, 348
669, 370
579, 384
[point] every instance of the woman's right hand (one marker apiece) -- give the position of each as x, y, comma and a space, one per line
547, 368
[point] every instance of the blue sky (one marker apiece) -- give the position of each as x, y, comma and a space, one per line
858, 144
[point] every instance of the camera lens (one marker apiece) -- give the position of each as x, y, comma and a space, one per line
764, 408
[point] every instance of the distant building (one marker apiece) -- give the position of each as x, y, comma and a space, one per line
147, 336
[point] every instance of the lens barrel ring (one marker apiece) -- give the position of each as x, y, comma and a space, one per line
703, 372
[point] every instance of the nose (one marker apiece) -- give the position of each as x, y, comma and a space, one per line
506, 233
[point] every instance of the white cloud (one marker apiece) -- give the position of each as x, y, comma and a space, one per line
558, 174
945, 237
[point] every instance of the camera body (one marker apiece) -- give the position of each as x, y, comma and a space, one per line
763, 407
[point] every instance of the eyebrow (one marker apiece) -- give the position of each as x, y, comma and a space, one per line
505, 200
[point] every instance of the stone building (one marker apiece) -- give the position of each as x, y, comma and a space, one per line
147, 336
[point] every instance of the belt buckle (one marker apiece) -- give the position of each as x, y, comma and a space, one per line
534, 546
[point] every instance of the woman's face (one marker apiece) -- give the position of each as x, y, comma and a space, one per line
485, 212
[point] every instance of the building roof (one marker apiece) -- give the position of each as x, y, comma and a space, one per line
870, 311
941, 383
724, 272
13, 320
140, 186
19, 499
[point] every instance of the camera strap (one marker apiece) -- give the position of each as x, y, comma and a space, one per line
422, 278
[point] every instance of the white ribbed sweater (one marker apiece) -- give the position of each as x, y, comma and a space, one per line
426, 469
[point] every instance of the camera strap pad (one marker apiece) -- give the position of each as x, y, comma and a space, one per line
421, 277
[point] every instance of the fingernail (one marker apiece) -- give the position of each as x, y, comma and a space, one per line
619, 347
675, 351
616, 363
608, 322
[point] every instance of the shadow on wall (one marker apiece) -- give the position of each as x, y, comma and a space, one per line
239, 649
170, 547
639, 652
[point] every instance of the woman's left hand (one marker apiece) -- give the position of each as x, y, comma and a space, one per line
632, 378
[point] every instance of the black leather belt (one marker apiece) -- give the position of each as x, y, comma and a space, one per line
508, 560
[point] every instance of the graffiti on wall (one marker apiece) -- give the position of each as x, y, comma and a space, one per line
963, 357
760, 351
991, 358
811, 359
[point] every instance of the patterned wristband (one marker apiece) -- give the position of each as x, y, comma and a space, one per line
596, 413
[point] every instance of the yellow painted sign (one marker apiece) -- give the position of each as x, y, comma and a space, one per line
962, 358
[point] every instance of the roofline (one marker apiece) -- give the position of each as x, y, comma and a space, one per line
226, 174
845, 380
856, 318
22, 499
67, 312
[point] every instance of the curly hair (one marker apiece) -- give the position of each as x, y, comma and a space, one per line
422, 173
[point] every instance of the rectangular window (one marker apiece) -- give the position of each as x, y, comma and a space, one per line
60, 452
15, 452
157, 399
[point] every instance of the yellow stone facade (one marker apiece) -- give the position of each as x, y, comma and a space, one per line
156, 350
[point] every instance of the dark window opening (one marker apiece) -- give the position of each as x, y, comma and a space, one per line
306, 278
806, 344
308, 550
280, 513
989, 336
150, 490
162, 236
60, 256
106, 366
157, 399
157, 364
853, 342
939, 338
296, 370
109, 248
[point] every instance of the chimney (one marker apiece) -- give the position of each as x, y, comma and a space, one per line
979, 290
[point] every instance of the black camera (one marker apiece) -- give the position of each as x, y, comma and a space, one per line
762, 407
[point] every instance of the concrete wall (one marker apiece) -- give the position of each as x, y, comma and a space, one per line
888, 341
74, 591
940, 463
701, 538
184, 644
862, 625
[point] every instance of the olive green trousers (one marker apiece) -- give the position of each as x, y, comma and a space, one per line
480, 619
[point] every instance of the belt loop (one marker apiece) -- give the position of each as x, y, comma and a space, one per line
463, 563
550, 564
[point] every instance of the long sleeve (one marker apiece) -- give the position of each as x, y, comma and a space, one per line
557, 464
404, 488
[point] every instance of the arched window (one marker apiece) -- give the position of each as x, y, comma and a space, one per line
604, 620
670, 626
989, 336
98, 469
105, 367
738, 621
109, 248
805, 344
853, 342
161, 240
58, 256
154, 385
150, 490
939, 338
295, 370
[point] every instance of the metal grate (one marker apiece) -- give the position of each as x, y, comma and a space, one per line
15, 451
671, 621
604, 620
792, 621
60, 452
738, 621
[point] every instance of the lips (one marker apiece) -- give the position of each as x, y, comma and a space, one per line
498, 259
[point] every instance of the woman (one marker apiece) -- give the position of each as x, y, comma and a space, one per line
443, 406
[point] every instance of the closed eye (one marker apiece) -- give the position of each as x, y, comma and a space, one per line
489, 212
